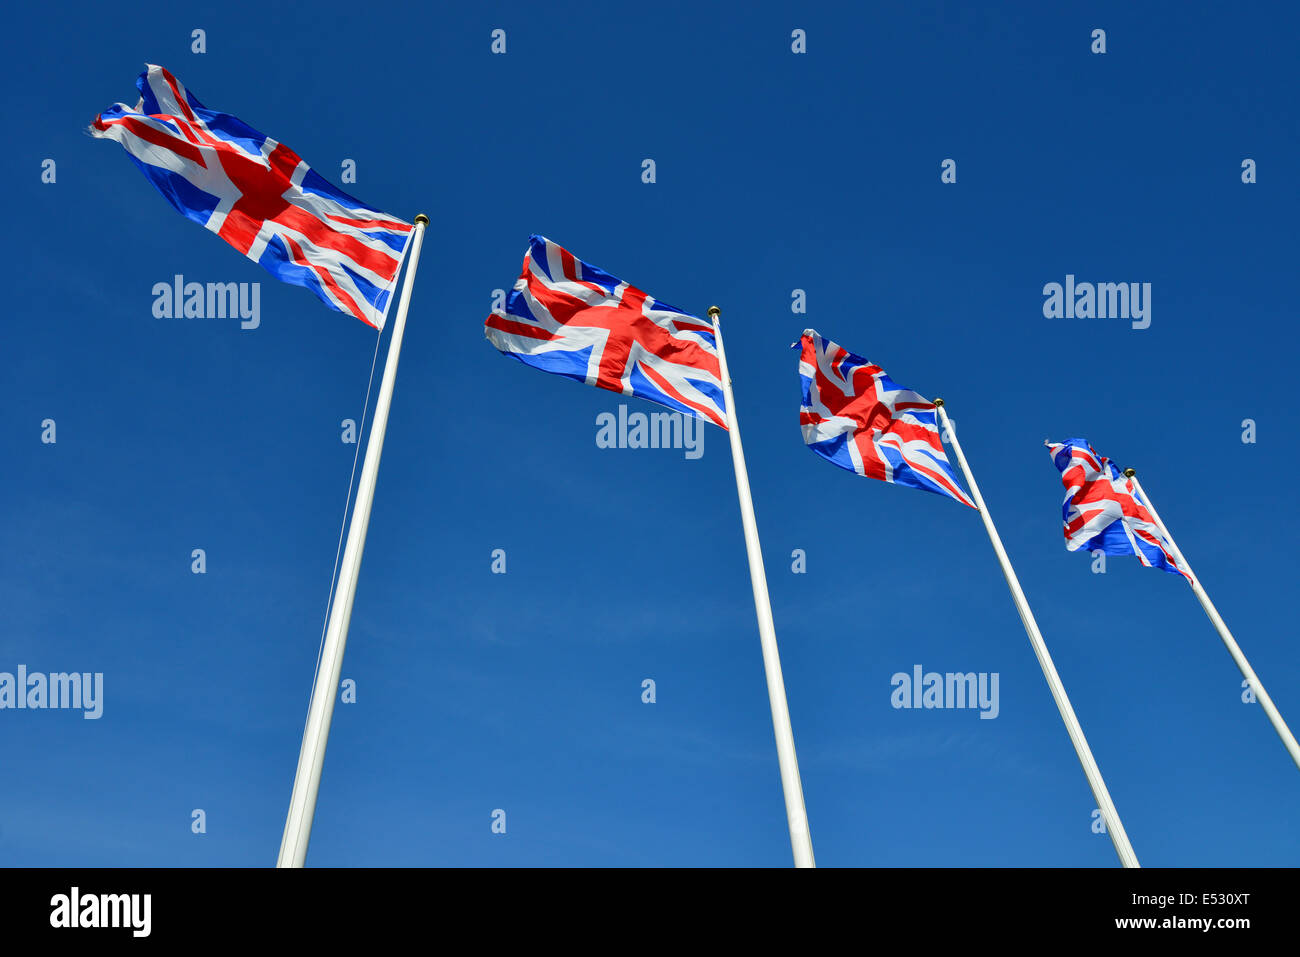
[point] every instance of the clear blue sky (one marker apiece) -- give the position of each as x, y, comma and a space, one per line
522, 691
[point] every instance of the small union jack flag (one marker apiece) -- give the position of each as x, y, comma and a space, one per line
259, 196
570, 318
1102, 509
857, 417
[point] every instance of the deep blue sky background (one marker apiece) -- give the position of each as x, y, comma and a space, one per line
775, 171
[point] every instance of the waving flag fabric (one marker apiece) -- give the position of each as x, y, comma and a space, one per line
1102, 509
857, 417
259, 196
573, 319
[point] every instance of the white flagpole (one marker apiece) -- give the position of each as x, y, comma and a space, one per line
306, 782
1114, 827
796, 814
1270, 709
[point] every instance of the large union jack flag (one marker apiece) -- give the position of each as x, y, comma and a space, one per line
259, 196
568, 317
857, 417
1102, 509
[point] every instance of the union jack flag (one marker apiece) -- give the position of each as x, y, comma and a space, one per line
1102, 509
568, 317
259, 196
857, 417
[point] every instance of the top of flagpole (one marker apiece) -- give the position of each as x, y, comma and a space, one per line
938, 403
422, 220
713, 312
1129, 473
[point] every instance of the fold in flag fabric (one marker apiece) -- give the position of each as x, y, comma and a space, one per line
570, 318
1102, 509
857, 417
259, 196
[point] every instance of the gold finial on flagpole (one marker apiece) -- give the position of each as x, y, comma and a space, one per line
422, 220
938, 403
1129, 473
713, 312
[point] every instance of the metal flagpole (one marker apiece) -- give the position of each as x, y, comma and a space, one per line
306, 782
1113, 825
1270, 709
796, 814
